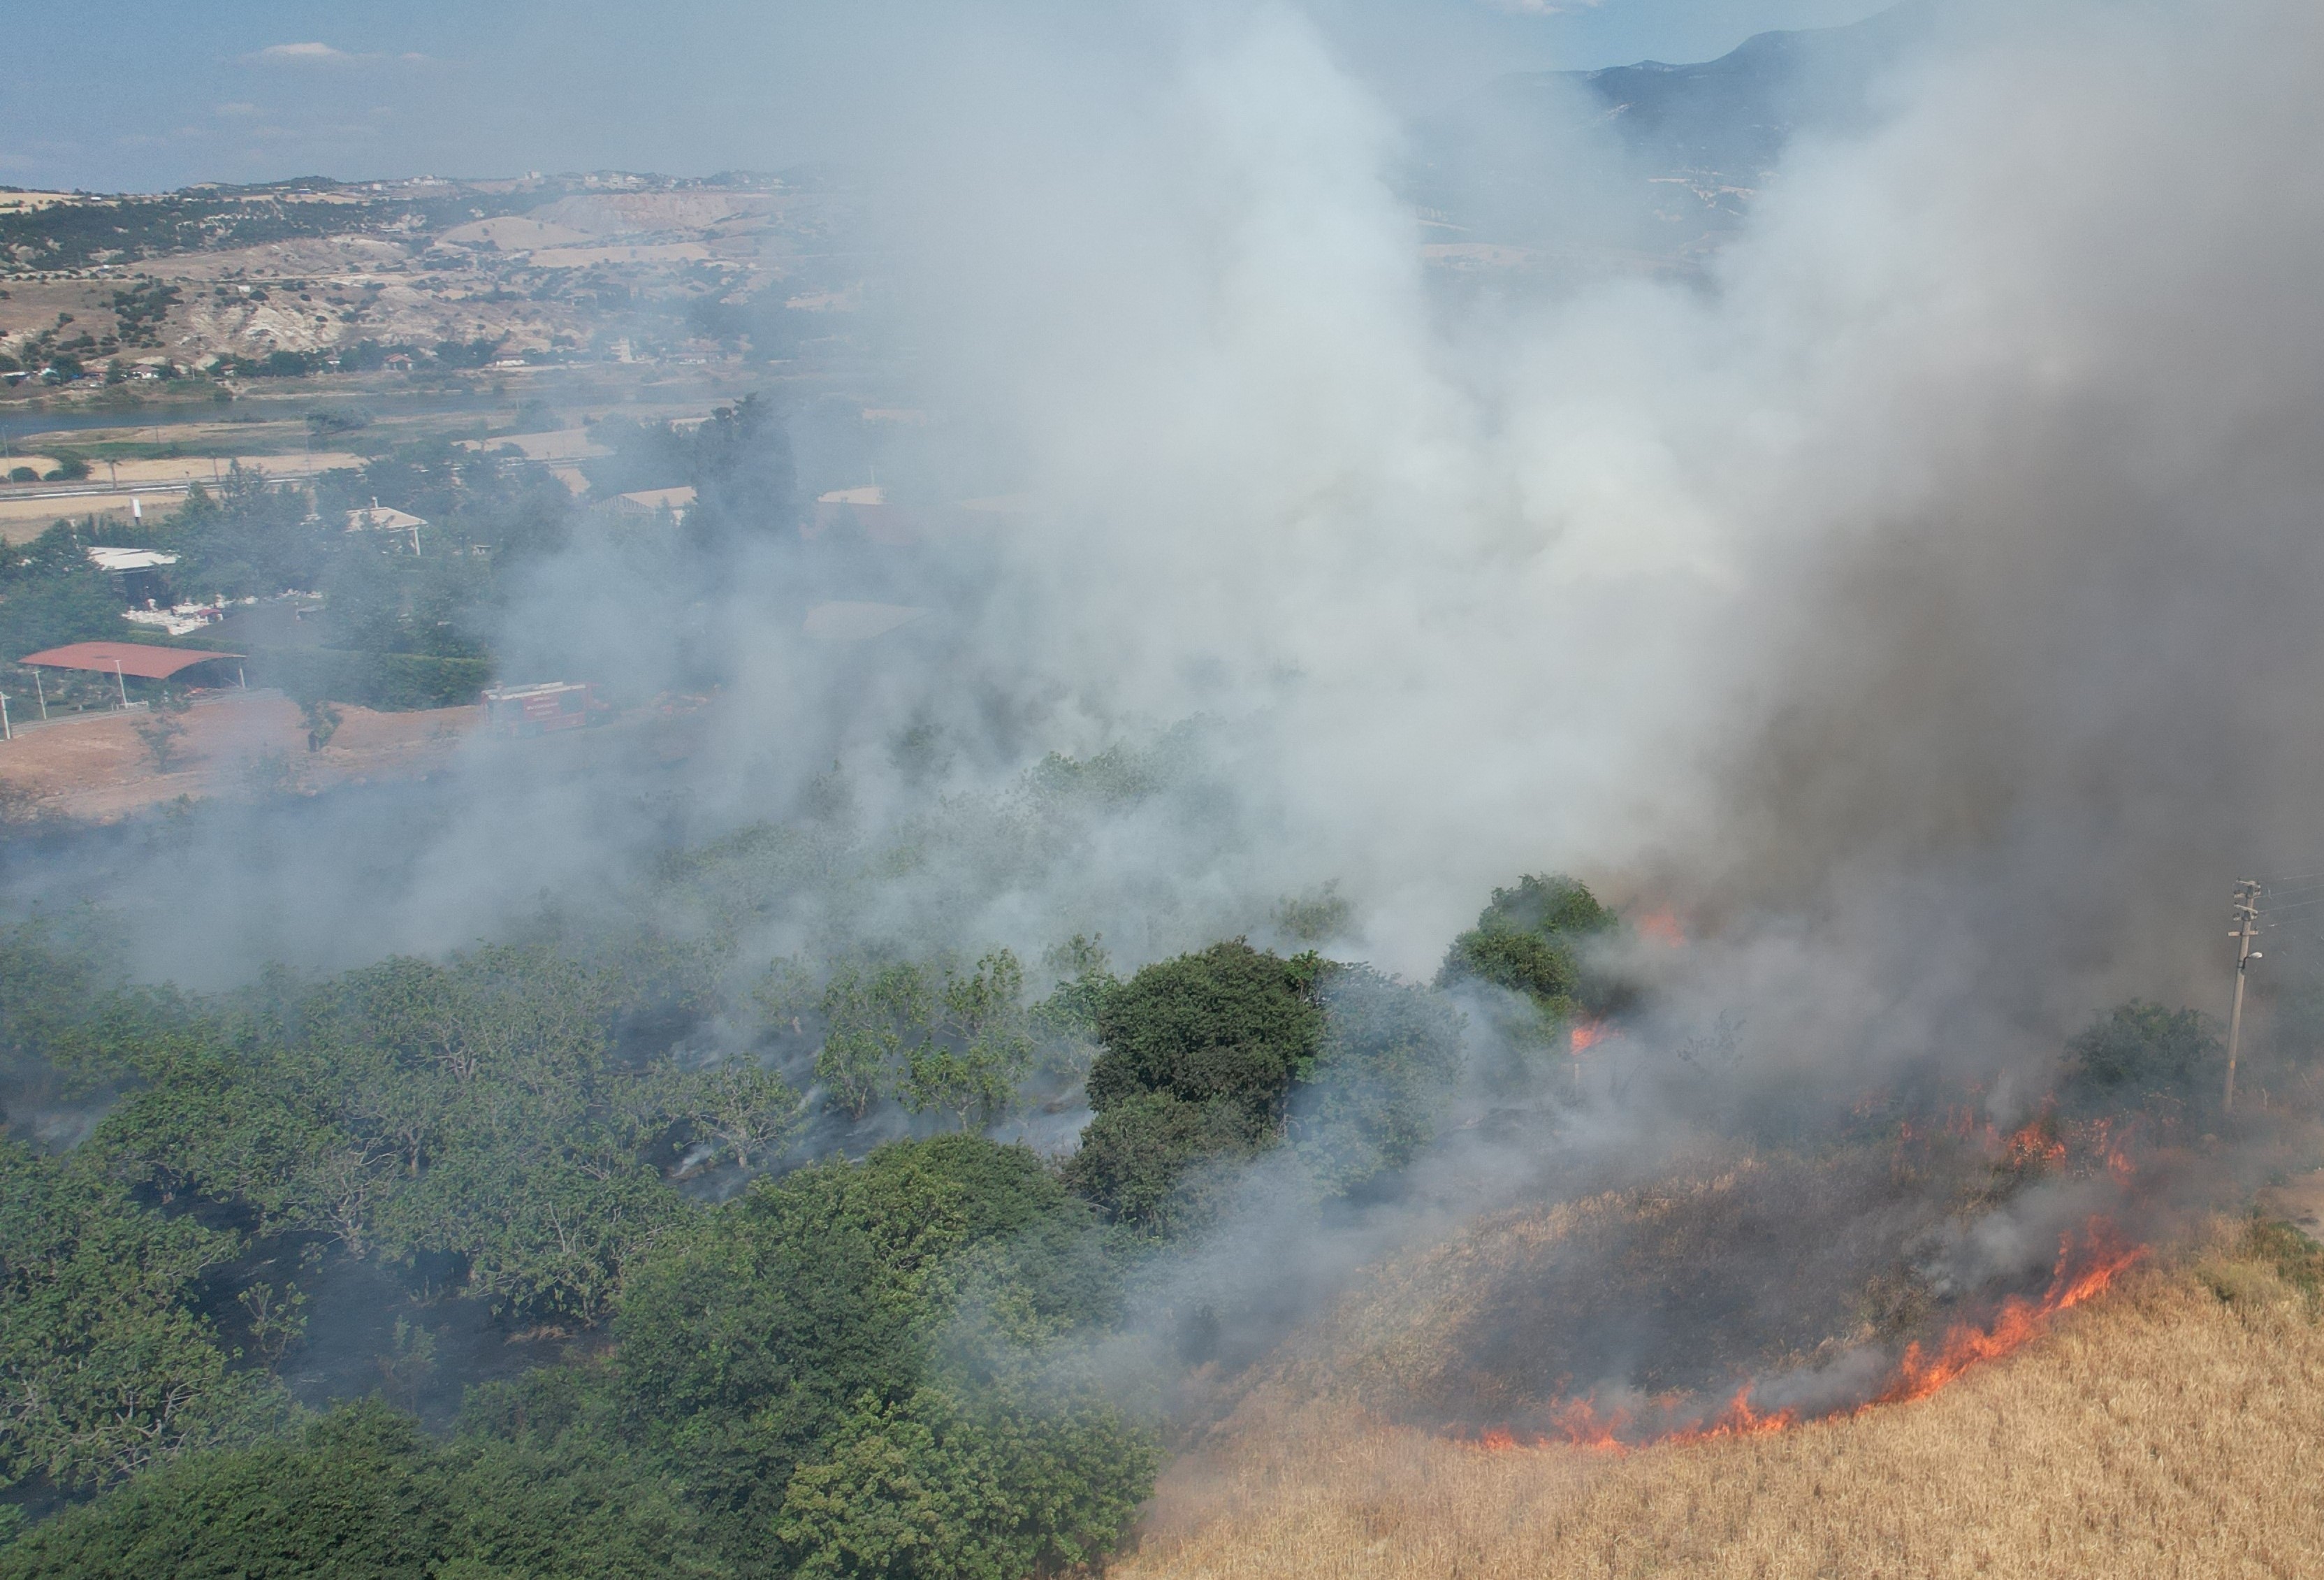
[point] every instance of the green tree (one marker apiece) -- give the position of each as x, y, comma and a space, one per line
163, 733
218, 1126
50, 595
874, 1017
1084, 976
277, 1318
1135, 1158
1527, 940
1380, 1085
322, 722
1230, 1023
746, 1112
747, 1339
986, 1045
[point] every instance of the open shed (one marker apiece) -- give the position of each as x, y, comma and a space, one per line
143, 659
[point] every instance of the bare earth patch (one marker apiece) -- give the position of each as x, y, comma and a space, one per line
97, 769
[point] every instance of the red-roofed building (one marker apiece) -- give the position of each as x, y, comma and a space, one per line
143, 659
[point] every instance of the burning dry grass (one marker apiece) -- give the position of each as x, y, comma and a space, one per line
2171, 1427
1736, 1297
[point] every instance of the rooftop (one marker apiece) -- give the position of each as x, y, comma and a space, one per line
130, 558
146, 662
382, 519
653, 499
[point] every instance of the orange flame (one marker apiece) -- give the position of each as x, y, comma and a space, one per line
1921, 1373
1581, 1424
2035, 1143
1661, 926
1587, 1036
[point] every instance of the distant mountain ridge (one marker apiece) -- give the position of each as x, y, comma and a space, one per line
1703, 137
1732, 116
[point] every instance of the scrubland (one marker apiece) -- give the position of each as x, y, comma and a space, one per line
2174, 1428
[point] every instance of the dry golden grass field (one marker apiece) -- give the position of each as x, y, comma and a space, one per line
2173, 1428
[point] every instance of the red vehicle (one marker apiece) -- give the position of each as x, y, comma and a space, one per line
551, 705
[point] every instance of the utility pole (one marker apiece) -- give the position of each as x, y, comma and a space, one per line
2246, 925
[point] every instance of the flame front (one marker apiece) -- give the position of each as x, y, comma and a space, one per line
2079, 1275
1921, 1373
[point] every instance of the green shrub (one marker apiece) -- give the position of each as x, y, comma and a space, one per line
2139, 1050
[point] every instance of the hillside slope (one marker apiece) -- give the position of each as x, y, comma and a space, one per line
2170, 1428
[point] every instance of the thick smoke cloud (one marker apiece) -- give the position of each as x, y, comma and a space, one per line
1912, 596
1918, 596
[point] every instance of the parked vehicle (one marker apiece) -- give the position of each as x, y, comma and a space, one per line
551, 704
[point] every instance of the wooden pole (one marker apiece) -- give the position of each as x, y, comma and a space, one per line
2247, 924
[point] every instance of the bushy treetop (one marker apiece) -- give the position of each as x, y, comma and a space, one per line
1525, 941
1230, 1023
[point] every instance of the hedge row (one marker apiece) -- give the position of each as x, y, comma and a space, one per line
390, 682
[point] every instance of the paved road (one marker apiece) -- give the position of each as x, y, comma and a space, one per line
98, 488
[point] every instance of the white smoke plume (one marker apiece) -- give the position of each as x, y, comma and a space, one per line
1914, 593
1919, 592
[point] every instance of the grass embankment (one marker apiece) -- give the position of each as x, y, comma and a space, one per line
2174, 1428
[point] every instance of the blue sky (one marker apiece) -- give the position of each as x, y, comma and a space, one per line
144, 94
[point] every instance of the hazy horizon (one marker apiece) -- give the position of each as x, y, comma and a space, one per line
255, 92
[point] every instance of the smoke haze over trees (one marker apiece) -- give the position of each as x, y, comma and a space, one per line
1868, 547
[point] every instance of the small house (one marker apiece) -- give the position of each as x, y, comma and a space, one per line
376, 517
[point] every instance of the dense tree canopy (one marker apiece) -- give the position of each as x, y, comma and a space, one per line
886, 1365
824, 1298
107, 1364
363, 1493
